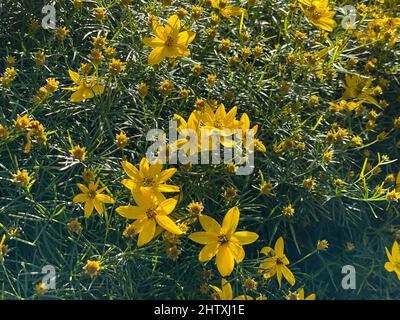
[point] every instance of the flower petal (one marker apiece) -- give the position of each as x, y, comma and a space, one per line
203, 237
225, 260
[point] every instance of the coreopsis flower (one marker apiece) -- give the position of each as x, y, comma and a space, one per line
86, 87
121, 140
61, 33
169, 42
52, 85
322, 245
4, 132
219, 122
92, 268
92, 197
276, 263
195, 208
116, 67
143, 89
226, 292
74, 226
40, 58
151, 211
358, 88
224, 241
99, 13
10, 60
317, 11
196, 12
266, 187
393, 265
78, 153
226, 10
299, 295
40, 288
23, 178
148, 177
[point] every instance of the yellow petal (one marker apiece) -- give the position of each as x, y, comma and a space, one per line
208, 251
104, 198
173, 25
279, 247
98, 206
245, 237
167, 206
75, 77
227, 293
156, 56
147, 232
168, 188
288, 275
203, 237
82, 197
83, 188
209, 224
230, 221
88, 208
225, 260
168, 224
167, 174
131, 212
153, 42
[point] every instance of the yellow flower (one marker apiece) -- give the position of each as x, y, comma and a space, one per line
22, 178
169, 42
93, 198
151, 211
85, 88
322, 245
116, 67
78, 153
318, 13
226, 10
358, 88
394, 259
148, 177
92, 268
223, 241
299, 295
40, 288
276, 263
121, 140
226, 293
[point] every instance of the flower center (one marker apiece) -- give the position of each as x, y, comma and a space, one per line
222, 238
218, 124
170, 41
279, 261
148, 182
92, 194
151, 213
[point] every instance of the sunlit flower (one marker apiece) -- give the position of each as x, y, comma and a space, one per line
394, 259
318, 13
276, 263
223, 241
169, 42
86, 87
92, 197
148, 177
226, 292
151, 211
